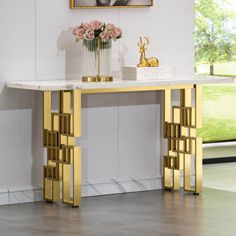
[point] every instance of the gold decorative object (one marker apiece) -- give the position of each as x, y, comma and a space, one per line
184, 149
143, 61
63, 157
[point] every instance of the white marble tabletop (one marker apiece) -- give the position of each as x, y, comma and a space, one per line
56, 85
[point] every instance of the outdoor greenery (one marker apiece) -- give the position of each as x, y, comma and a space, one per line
220, 69
215, 36
215, 32
219, 122
218, 130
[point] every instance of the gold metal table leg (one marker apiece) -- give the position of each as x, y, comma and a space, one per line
63, 157
184, 148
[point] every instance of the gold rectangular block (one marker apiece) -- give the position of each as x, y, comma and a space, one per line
47, 108
53, 154
51, 139
51, 172
65, 125
77, 113
66, 180
187, 172
172, 130
77, 177
55, 122
198, 166
67, 154
47, 190
172, 162
67, 140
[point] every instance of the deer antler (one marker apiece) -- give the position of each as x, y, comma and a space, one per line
147, 40
140, 43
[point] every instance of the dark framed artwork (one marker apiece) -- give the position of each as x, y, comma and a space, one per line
109, 3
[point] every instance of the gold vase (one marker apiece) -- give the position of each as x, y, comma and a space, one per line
97, 57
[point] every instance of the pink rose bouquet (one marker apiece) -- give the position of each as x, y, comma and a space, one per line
97, 30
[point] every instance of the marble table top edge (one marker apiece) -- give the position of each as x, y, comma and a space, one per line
56, 85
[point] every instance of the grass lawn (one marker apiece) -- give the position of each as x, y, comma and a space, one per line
219, 105
215, 130
219, 113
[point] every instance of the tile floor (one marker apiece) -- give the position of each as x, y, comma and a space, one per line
220, 176
153, 213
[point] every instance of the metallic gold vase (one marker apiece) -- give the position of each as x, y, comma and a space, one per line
97, 57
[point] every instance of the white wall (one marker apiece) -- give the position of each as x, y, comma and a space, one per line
36, 44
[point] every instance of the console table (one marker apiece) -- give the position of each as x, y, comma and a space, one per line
61, 128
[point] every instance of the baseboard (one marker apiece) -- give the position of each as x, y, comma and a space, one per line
222, 151
20, 195
89, 188
218, 160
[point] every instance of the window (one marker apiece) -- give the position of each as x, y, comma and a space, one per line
215, 37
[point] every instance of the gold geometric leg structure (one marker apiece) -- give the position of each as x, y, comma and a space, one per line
63, 158
184, 148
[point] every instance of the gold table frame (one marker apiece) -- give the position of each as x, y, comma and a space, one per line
60, 130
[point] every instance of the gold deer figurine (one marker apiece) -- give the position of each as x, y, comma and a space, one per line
146, 62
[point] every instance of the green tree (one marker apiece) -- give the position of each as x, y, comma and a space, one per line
215, 34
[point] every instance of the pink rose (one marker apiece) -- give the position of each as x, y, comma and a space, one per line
110, 27
84, 26
79, 32
89, 35
75, 31
114, 32
105, 36
97, 29
95, 25
118, 33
